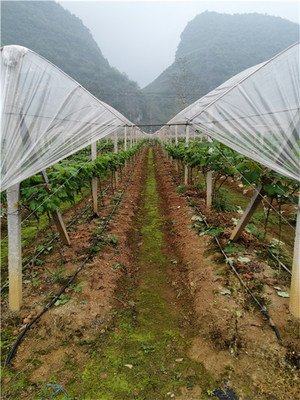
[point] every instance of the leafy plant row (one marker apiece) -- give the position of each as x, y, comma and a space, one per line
226, 163
103, 146
68, 178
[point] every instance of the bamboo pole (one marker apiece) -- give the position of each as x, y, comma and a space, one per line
295, 282
14, 248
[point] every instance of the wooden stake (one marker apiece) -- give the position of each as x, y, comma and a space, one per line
295, 282
57, 217
14, 248
209, 189
252, 206
95, 195
61, 227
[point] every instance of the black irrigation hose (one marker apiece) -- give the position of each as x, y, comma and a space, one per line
262, 307
71, 279
55, 236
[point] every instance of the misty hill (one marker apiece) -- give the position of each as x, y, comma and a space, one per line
213, 48
53, 32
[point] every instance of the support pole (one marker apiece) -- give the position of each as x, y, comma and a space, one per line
14, 248
186, 174
295, 282
209, 189
252, 206
186, 169
116, 151
176, 134
61, 227
125, 138
116, 142
125, 145
94, 180
131, 135
57, 217
176, 143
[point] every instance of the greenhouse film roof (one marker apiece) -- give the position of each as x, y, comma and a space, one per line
45, 115
256, 112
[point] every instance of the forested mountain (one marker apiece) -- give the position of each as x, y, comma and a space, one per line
50, 30
213, 48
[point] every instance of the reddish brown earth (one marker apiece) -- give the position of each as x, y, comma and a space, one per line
234, 341
229, 336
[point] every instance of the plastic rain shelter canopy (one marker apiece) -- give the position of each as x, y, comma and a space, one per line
45, 115
256, 113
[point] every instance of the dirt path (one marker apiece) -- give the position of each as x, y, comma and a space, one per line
234, 343
145, 355
149, 321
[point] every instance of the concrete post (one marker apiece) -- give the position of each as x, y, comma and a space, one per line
186, 169
295, 282
14, 247
94, 180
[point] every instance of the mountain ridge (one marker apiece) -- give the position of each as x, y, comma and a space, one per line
58, 35
214, 47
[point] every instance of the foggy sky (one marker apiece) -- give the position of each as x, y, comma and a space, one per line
140, 38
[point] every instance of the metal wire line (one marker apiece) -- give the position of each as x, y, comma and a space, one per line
48, 197
252, 185
254, 188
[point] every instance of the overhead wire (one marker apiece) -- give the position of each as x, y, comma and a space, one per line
50, 195
89, 256
252, 185
254, 188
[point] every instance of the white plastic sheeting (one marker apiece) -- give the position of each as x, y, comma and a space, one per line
256, 113
45, 115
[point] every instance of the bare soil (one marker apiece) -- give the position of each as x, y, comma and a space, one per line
234, 342
146, 318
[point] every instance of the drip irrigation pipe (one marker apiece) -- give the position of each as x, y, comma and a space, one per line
71, 279
55, 236
50, 195
262, 307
